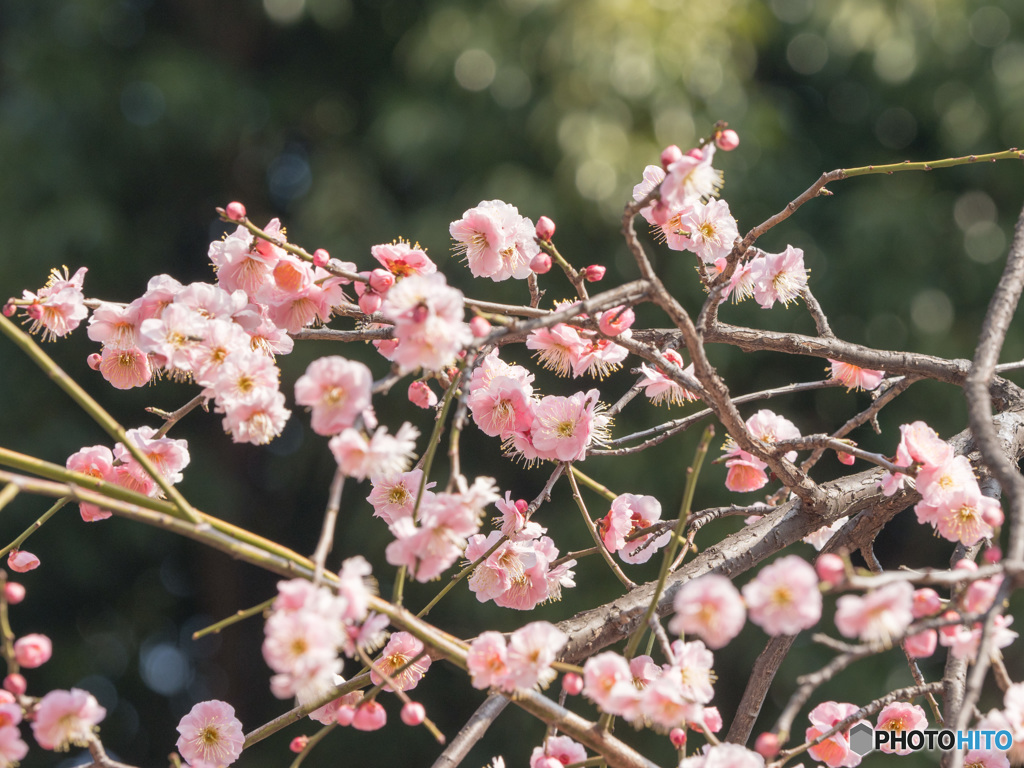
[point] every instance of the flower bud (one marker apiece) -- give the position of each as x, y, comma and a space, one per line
594, 273
320, 259
21, 561
926, 603
298, 743
572, 683
9, 310
479, 327
541, 263
966, 565
993, 555
669, 155
922, 645
381, 280
94, 360
413, 713
521, 506
678, 737
370, 302
14, 592
369, 716
549, 762
16, 684
993, 516
345, 715
831, 569
235, 211
421, 395
949, 630
767, 745
32, 651
615, 321
545, 228
727, 140
696, 153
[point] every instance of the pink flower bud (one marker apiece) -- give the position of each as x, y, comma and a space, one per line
420, 313
727, 140
594, 273
695, 153
966, 565
381, 281
678, 737
16, 684
298, 743
950, 629
345, 715
521, 506
831, 569
235, 211
9, 310
669, 155
479, 327
21, 561
572, 683
922, 645
320, 259
94, 360
32, 651
420, 394
369, 716
615, 321
541, 263
14, 592
926, 603
545, 228
370, 302
993, 516
767, 745
413, 713
846, 458
34, 311
993, 555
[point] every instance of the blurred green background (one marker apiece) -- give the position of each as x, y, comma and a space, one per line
123, 124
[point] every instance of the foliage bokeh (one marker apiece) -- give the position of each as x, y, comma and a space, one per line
123, 124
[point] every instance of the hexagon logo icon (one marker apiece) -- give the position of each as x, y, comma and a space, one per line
862, 738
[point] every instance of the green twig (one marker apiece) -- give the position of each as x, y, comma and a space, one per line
234, 618
16, 544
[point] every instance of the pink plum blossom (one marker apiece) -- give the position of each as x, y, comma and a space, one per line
59, 307
921, 645
561, 748
564, 427
712, 230
98, 462
382, 455
783, 598
660, 388
724, 756
401, 649
211, 735
629, 513
531, 651
779, 276
487, 660
394, 496
337, 390
879, 616
402, 259
901, 717
691, 178
711, 608
428, 317
64, 718
855, 377
835, 750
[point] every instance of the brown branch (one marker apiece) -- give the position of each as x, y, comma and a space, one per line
471, 732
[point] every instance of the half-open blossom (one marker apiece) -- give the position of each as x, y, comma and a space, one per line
711, 608
783, 598
21, 561
63, 718
402, 259
31, 651
59, 307
96, 461
660, 388
487, 660
629, 513
855, 377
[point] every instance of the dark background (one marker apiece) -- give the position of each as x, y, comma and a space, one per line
123, 124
